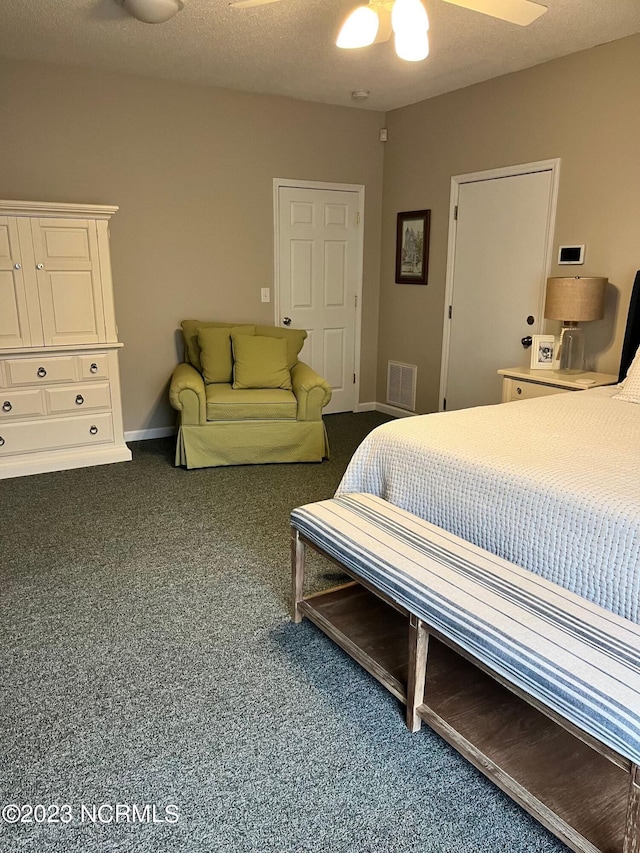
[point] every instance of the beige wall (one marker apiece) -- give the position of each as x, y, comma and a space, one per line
584, 109
191, 169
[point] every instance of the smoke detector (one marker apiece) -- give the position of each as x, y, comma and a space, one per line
360, 95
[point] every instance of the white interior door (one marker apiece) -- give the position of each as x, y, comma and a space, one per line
500, 260
318, 279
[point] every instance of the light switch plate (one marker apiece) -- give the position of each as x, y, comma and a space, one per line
265, 294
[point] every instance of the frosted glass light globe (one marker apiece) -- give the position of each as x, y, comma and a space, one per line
409, 15
412, 45
360, 29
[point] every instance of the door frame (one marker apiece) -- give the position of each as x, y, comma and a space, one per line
324, 185
553, 166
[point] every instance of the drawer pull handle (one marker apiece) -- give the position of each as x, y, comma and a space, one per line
6, 406
41, 372
79, 400
519, 390
94, 367
93, 430
1, 441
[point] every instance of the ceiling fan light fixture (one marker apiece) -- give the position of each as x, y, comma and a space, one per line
408, 16
153, 11
359, 29
412, 46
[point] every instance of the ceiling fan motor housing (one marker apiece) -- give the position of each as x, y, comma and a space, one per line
153, 11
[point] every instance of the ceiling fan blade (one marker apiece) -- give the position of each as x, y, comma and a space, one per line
384, 24
521, 12
246, 4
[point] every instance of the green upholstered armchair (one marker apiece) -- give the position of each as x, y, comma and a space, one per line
244, 398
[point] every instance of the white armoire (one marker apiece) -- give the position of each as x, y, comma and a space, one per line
60, 403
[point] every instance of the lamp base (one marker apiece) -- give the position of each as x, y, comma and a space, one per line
571, 351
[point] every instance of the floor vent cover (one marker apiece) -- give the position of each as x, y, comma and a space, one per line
401, 385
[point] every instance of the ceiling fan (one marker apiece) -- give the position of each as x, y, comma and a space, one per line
407, 20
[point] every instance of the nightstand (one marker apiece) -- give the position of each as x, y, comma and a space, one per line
522, 383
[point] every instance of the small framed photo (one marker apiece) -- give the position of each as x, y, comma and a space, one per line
412, 247
543, 352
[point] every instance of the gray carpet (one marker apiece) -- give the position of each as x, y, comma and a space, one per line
148, 658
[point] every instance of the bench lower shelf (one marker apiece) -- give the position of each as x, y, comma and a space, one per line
574, 791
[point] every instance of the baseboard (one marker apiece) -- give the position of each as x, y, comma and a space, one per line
144, 434
394, 411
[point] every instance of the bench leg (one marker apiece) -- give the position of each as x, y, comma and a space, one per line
298, 554
632, 828
417, 670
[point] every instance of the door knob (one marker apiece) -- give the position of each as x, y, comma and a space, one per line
526, 341
287, 321
39, 266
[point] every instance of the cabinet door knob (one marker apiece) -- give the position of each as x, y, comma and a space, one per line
17, 266
39, 266
1, 441
41, 372
6, 406
79, 400
93, 429
94, 367
519, 390
287, 321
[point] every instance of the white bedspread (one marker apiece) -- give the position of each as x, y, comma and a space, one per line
551, 484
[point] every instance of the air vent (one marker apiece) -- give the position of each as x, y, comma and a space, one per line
401, 385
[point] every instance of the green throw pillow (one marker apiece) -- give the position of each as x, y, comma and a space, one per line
260, 362
215, 352
295, 339
190, 329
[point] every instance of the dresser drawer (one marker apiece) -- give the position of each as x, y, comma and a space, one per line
54, 434
77, 398
21, 404
94, 366
26, 371
529, 390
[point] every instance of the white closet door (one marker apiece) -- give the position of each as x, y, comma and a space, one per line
502, 236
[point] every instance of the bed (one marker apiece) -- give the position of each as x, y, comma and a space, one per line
550, 484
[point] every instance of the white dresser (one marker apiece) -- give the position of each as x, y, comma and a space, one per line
60, 404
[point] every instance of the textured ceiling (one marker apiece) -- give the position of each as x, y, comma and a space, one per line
287, 48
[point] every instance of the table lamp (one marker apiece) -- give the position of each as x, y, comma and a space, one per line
574, 301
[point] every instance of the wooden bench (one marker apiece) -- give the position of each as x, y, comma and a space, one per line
537, 687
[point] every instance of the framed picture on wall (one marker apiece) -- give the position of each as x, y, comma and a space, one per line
412, 247
543, 351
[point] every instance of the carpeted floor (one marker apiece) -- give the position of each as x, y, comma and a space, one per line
148, 658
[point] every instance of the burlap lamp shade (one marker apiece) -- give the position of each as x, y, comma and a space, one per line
575, 299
